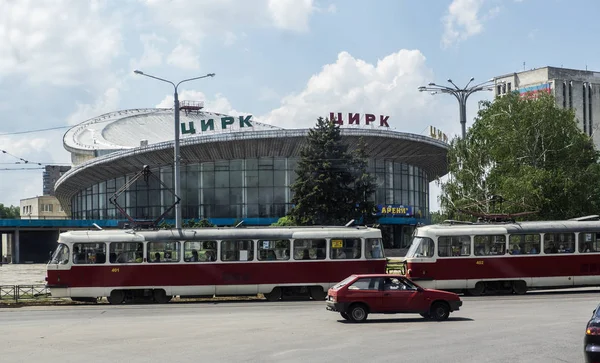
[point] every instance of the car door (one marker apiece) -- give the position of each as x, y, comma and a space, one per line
398, 296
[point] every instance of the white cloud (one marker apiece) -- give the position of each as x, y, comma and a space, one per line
464, 20
219, 104
152, 55
107, 102
184, 57
291, 14
57, 41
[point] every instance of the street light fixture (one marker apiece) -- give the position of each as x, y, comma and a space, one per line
176, 171
461, 95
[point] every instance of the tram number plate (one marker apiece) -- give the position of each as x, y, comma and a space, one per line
336, 243
115, 269
479, 262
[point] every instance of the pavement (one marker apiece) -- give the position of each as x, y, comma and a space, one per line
536, 327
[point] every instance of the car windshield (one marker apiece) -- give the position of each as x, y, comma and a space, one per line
421, 247
343, 283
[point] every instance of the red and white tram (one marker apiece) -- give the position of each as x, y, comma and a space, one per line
128, 265
505, 257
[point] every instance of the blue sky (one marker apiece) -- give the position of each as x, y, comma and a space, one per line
286, 62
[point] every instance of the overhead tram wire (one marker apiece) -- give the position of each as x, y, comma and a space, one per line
33, 131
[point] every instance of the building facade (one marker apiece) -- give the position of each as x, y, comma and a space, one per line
575, 89
232, 169
44, 207
51, 174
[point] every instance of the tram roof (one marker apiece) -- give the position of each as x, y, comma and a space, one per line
558, 226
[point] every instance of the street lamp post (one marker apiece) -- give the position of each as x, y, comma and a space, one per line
176, 171
461, 94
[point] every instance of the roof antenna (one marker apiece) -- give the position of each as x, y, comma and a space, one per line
97, 226
349, 223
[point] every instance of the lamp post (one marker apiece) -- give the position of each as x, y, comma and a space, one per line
461, 94
176, 171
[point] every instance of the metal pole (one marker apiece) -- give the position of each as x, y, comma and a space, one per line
176, 170
463, 115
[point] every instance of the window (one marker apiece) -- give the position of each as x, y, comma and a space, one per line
570, 94
345, 248
559, 243
490, 245
392, 283
88, 253
270, 250
454, 246
163, 252
525, 243
589, 242
366, 284
237, 250
61, 255
564, 94
200, 251
584, 98
590, 109
421, 247
374, 248
126, 252
309, 249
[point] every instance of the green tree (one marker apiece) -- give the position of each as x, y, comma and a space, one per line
284, 222
333, 185
11, 212
523, 155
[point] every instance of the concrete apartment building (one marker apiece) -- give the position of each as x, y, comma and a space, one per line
576, 89
43, 207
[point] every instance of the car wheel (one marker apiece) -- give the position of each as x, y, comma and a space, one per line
440, 311
358, 313
345, 316
426, 315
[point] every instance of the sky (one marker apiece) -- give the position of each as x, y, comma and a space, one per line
286, 62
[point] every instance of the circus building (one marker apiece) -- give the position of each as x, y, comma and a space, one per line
234, 168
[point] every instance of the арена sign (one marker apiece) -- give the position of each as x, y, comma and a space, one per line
394, 210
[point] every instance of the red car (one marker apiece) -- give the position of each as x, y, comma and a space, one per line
360, 295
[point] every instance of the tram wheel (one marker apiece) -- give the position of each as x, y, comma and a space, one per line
519, 287
317, 293
116, 297
161, 297
478, 290
274, 295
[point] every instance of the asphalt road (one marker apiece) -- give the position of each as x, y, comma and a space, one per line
546, 327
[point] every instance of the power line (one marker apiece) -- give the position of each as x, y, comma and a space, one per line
32, 131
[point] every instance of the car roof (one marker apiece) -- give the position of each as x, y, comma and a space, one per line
378, 275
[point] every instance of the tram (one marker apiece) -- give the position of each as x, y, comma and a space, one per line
505, 257
156, 265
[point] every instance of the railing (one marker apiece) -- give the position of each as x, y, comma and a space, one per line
23, 292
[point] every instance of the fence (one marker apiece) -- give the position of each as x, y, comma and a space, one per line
23, 292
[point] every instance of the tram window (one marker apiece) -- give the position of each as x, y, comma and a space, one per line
237, 250
374, 248
345, 248
163, 251
200, 251
524, 243
490, 245
61, 255
310, 249
421, 247
126, 252
89, 253
559, 243
454, 246
271, 250
589, 242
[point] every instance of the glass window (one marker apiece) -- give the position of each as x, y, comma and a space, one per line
163, 252
345, 248
88, 253
490, 245
589, 242
238, 250
365, 284
271, 250
525, 243
61, 255
126, 252
393, 283
421, 247
455, 246
200, 251
559, 243
309, 249
374, 248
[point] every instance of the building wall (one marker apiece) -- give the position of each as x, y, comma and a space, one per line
51, 174
43, 207
234, 189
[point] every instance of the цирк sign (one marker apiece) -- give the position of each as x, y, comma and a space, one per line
354, 119
209, 125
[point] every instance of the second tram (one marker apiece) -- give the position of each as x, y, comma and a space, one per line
476, 258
